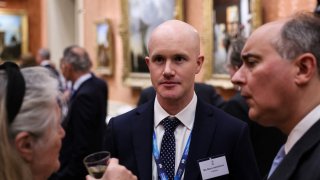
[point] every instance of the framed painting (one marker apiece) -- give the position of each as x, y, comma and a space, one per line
104, 47
139, 18
13, 34
229, 19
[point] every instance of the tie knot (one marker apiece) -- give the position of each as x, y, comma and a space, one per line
170, 123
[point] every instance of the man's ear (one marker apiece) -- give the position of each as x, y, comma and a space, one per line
306, 68
24, 145
200, 60
147, 60
69, 67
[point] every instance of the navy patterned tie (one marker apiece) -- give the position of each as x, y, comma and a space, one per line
168, 145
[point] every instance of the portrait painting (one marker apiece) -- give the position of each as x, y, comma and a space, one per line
13, 34
104, 47
229, 19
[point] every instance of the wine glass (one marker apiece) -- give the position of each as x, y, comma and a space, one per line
96, 163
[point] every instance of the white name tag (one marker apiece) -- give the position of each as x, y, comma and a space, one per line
213, 167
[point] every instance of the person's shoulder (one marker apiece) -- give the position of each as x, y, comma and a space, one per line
203, 87
98, 79
148, 90
97, 82
220, 116
236, 104
136, 112
220, 122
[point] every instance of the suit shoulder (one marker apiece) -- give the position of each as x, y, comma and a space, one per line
132, 114
223, 118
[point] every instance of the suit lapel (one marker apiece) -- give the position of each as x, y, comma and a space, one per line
142, 140
202, 134
291, 160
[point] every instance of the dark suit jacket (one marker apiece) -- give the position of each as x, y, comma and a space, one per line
205, 92
303, 160
85, 128
129, 138
266, 141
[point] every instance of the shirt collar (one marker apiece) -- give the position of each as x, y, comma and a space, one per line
186, 115
80, 80
45, 63
301, 128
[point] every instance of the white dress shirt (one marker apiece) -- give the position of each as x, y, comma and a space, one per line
182, 132
301, 128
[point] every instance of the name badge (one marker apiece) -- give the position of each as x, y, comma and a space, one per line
213, 167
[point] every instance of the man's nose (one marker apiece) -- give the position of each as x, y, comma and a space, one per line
168, 68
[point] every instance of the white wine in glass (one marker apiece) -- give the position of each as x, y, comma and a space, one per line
97, 163
97, 171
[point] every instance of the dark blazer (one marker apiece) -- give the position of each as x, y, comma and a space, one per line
215, 133
205, 92
85, 128
266, 141
303, 160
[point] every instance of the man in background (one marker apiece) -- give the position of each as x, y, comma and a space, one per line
43, 59
85, 123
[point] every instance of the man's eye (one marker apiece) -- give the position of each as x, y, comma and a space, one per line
251, 62
179, 59
158, 60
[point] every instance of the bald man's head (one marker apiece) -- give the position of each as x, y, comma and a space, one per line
176, 29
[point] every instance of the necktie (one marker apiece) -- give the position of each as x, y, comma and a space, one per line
277, 160
168, 145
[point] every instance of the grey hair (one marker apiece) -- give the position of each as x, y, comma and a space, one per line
79, 61
300, 34
44, 53
39, 101
35, 116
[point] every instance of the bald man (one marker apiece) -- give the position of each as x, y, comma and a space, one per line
177, 134
280, 80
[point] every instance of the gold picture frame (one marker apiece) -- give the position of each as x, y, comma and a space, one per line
134, 42
13, 34
104, 47
213, 41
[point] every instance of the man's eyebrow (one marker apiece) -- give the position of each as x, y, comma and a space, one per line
246, 56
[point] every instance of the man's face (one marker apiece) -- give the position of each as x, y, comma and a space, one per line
38, 59
173, 63
65, 69
266, 79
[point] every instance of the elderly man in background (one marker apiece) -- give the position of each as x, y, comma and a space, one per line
85, 123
